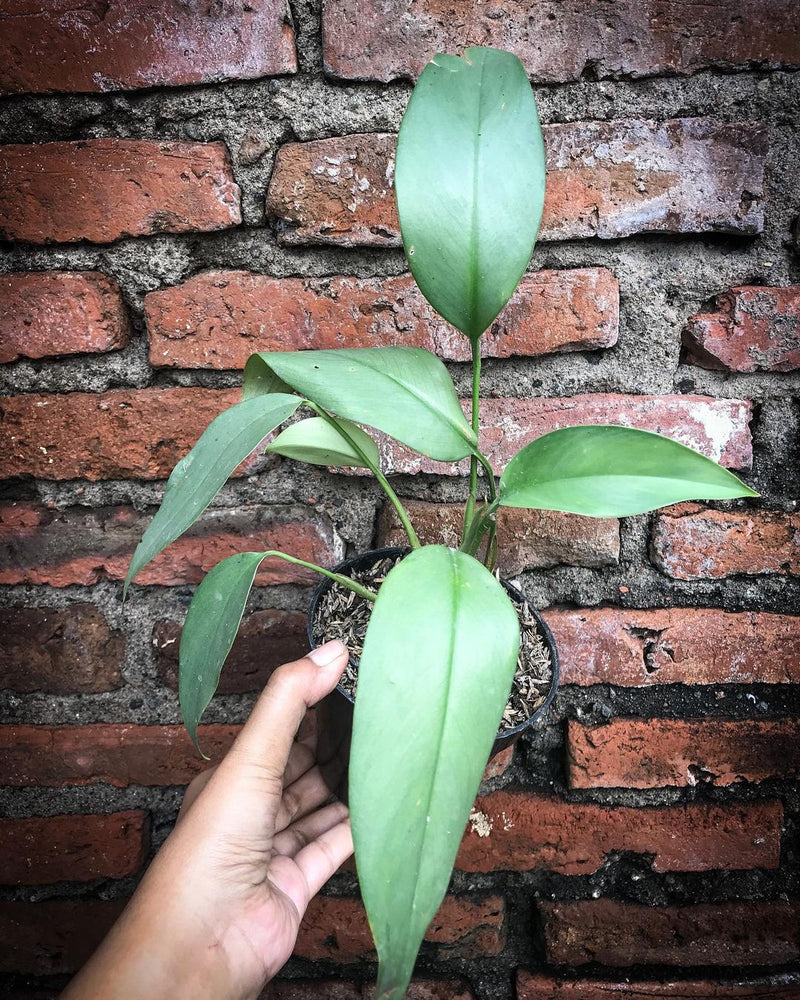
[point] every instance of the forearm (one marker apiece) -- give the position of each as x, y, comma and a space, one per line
154, 952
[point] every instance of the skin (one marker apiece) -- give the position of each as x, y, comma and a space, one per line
218, 911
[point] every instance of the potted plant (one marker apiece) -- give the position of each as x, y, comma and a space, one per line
442, 643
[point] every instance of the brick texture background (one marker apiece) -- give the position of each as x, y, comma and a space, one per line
183, 184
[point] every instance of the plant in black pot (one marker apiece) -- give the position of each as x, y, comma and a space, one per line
441, 647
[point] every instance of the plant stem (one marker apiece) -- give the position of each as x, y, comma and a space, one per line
384, 482
475, 417
345, 581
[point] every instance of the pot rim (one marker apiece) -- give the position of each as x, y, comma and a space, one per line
374, 555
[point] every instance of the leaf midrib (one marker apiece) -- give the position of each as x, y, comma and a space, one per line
442, 726
421, 399
474, 270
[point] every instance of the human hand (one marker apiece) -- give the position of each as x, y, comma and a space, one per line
218, 911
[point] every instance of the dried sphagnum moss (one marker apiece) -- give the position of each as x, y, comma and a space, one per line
342, 614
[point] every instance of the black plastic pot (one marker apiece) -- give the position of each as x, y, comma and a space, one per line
335, 712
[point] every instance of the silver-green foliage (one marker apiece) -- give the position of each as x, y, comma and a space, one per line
442, 642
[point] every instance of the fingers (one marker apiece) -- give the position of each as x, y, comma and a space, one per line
299, 798
325, 855
269, 733
301, 759
297, 836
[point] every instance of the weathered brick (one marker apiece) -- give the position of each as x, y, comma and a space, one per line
120, 754
50, 313
311, 989
334, 989
53, 937
499, 764
691, 542
58, 48
59, 651
747, 932
116, 753
754, 329
217, 319
605, 179
37, 850
84, 545
719, 428
527, 539
560, 41
516, 831
124, 433
265, 640
335, 928
532, 986
630, 753
675, 646
102, 189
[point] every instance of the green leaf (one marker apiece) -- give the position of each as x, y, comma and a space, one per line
406, 392
437, 667
199, 476
606, 471
469, 180
316, 441
209, 630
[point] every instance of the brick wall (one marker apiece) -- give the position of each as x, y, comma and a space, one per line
191, 182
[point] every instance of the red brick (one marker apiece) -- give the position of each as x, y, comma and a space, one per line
80, 545
517, 831
53, 937
335, 928
265, 640
675, 646
217, 319
719, 428
558, 42
755, 329
605, 179
124, 433
431, 989
118, 754
539, 987
749, 932
311, 989
333, 989
41, 849
628, 753
57, 48
527, 539
499, 764
693, 543
51, 313
59, 651
102, 189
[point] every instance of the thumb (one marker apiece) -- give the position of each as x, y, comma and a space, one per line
292, 689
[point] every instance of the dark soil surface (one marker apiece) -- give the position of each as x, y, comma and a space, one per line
342, 614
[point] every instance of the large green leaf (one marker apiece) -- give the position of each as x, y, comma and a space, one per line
406, 392
606, 471
435, 674
469, 180
199, 476
316, 441
209, 630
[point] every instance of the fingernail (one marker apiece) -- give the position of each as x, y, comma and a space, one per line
326, 654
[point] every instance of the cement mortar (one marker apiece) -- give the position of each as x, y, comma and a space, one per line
663, 280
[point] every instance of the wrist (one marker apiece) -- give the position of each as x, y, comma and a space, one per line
160, 949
